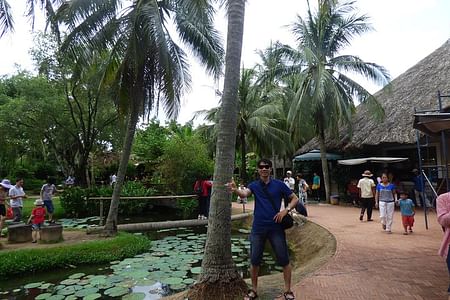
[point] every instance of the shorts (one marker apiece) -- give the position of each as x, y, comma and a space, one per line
36, 227
2, 210
49, 206
408, 221
277, 238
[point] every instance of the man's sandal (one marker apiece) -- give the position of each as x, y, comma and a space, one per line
289, 296
251, 295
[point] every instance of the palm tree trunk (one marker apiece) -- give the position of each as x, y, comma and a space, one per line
243, 157
111, 222
219, 278
323, 158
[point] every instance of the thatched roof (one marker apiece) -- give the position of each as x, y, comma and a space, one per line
416, 88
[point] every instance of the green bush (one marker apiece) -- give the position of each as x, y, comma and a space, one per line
75, 201
102, 251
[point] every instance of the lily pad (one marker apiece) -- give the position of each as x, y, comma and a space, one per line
178, 287
134, 296
43, 296
86, 292
172, 280
33, 285
76, 275
196, 270
116, 291
92, 296
56, 297
45, 286
67, 291
70, 281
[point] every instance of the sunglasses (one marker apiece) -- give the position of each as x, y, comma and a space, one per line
264, 167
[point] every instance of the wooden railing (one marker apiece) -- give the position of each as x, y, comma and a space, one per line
101, 199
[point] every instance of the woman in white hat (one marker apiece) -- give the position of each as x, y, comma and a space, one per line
5, 185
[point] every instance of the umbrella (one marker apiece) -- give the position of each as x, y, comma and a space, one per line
315, 155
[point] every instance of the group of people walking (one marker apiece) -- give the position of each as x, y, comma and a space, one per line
14, 207
384, 195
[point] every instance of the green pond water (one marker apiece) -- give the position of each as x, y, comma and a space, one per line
171, 265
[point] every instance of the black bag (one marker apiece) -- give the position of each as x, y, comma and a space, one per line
287, 221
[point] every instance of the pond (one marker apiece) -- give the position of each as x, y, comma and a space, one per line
171, 265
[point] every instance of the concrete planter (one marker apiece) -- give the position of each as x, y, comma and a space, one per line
19, 233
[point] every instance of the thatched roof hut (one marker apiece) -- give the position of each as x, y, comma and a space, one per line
416, 88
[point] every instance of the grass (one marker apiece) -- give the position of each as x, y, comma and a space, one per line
124, 245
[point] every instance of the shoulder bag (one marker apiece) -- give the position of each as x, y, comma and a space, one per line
287, 221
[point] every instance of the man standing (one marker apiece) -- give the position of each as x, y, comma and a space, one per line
289, 181
366, 188
268, 193
316, 187
16, 194
419, 190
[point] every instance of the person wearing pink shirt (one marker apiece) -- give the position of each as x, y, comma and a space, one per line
443, 217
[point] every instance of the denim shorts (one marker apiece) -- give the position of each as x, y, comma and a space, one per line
277, 239
36, 227
49, 206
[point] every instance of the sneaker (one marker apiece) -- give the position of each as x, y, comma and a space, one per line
34, 241
370, 220
384, 227
410, 231
361, 217
199, 217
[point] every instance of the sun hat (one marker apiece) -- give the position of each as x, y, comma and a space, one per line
6, 184
289, 172
367, 173
38, 202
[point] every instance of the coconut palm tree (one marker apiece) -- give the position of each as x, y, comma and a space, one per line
219, 278
258, 117
326, 93
47, 6
147, 68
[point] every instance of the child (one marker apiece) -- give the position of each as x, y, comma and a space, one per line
407, 211
37, 218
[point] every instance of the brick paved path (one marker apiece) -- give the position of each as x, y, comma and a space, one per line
370, 264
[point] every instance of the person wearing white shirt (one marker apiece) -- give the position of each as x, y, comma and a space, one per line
16, 194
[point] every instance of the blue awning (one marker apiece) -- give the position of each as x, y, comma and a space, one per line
315, 155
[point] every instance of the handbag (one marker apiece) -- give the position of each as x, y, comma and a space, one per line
287, 221
9, 213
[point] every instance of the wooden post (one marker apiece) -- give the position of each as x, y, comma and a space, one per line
101, 213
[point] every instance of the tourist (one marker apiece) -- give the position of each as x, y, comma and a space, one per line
242, 200
443, 217
407, 211
113, 179
202, 189
289, 181
70, 181
366, 188
268, 193
419, 189
302, 189
5, 185
353, 192
316, 187
37, 219
16, 194
47, 192
385, 198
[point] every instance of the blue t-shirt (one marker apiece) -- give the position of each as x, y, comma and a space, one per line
264, 211
385, 192
418, 183
406, 207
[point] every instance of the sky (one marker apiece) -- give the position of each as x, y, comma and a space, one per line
405, 31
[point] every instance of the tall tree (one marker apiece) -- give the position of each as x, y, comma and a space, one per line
326, 93
147, 68
219, 278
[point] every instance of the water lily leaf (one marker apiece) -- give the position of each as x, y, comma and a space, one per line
76, 276
92, 296
33, 285
172, 280
196, 270
56, 297
134, 296
45, 286
70, 281
71, 297
116, 291
188, 281
43, 296
69, 290
17, 290
85, 292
